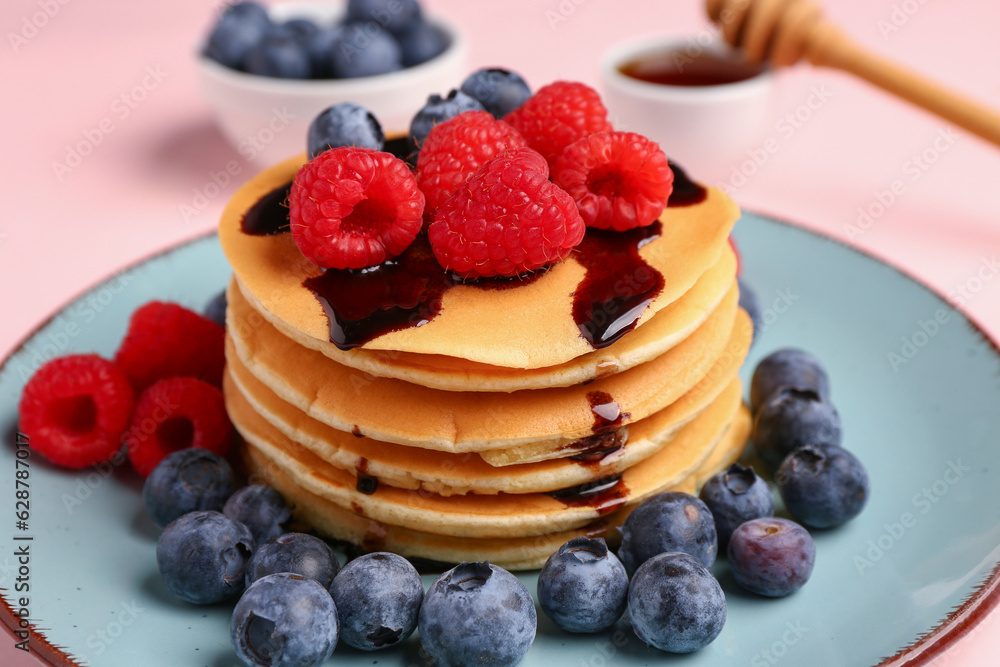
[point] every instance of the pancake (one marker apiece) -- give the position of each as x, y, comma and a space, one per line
524, 553
394, 411
498, 327
473, 515
450, 474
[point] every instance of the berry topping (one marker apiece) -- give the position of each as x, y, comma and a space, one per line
823, 487
583, 586
788, 367
284, 620
359, 51
559, 114
435, 111
509, 219
352, 208
344, 124
185, 481
477, 614
261, 509
675, 603
669, 521
499, 90
793, 418
166, 340
75, 410
378, 599
174, 414
301, 554
771, 556
619, 180
735, 496
457, 147
202, 555
420, 42
280, 53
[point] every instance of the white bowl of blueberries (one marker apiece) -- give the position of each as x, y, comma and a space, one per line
267, 72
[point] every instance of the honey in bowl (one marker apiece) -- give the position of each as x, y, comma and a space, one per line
679, 67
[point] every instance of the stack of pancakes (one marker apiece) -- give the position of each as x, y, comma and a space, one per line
492, 429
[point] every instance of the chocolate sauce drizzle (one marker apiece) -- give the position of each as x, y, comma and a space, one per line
269, 215
604, 495
686, 192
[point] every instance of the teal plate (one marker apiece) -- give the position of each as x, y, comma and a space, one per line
916, 383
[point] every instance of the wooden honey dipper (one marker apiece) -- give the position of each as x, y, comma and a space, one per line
786, 31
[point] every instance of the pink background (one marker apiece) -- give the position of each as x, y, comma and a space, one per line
59, 234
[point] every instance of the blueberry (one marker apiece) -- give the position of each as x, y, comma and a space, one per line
302, 29
202, 557
261, 509
358, 53
771, 556
280, 54
749, 303
344, 124
187, 480
284, 620
378, 598
787, 368
320, 49
420, 42
670, 521
793, 418
394, 15
583, 586
823, 487
477, 614
215, 309
675, 603
437, 110
500, 91
735, 496
238, 30
298, 553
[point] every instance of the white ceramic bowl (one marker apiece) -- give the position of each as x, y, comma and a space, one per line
266, 118
705, 129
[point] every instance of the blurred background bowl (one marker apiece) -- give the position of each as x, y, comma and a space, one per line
266, 118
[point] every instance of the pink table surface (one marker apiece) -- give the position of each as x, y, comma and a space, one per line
62, 232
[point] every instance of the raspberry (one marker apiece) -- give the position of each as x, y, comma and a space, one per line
74, 410
166, 340
455, 149
619, 180
508, 219
354, 207
174, 414
559, 114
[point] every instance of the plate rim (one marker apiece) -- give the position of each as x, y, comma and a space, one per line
984, 598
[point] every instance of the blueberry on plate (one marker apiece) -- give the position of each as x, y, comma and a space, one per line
261, 509
359, 53
237, 31
279, 53
500, 91
771, 556
393, 15
583, 587
675, 604
435, 111
187, 480
823, 487
669, 521
477, 614
297, 553
378, 599
215, 309
788, 367
284, 620
202, 557
320, 47
735, 496
793, 418
344, 124
420, 42
749, 303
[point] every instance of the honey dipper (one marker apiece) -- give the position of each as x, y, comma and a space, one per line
783, 32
